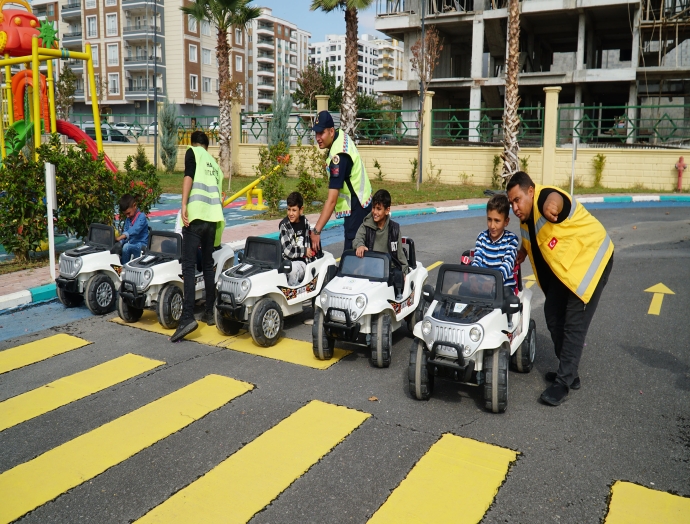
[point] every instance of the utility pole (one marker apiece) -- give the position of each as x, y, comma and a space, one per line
155, 79
421, 105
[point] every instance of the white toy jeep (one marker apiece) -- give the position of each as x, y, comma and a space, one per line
155, 279
256, 291
359, 305
472, 330
90, 272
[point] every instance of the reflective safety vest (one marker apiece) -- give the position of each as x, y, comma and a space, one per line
358, 182
577, 250
204, 199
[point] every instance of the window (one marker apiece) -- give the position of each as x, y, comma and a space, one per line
206, 84
205, 56
90, 4
110, 2
113, 83
50, 10
206, 28
111, 24
238, 64
97, 81
217, 83
91, 27
94, 55
238, 36
193, 83
192, 53
113, 55
191, 23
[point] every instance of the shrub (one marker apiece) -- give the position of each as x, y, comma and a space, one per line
379, 173
168, 118
598, 162
272, 185
496, 178
140, 180
311, 163
413, 174
524, 164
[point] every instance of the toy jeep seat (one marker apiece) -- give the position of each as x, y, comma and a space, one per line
101, 238
408, 247
261, 254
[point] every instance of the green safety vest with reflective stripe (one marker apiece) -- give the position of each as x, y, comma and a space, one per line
204, 199
358, 176
577, 250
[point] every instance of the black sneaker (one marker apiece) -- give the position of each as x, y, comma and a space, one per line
555, 394
183, 330
551, 377
208, 318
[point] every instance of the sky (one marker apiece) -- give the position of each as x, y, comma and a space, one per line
318, 23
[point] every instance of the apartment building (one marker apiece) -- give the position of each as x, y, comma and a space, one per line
609, 52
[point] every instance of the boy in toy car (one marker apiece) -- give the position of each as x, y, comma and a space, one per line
136, 231
379, 233
294, 238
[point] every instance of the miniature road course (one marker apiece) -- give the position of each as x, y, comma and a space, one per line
108, 422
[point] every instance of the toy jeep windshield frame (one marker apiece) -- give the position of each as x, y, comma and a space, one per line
374, 266
264, 252
98, 233
464, 294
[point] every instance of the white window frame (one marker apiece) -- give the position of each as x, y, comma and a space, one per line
239, 63
110, 2
94, 54
195, 57
206, 82
114, 76
238, 36
108, 18
194, 86
95, 24
90, 4
192, 24
116, 60
217, 85
206, 53
206, 28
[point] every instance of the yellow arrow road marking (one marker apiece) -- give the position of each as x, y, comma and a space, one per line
434, 265
659, 291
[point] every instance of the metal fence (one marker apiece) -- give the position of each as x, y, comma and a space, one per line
394, 127
465, 127
649, 124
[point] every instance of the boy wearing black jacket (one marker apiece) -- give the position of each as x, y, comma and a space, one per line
294, 238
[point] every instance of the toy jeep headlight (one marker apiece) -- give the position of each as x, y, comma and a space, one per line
324, 298
475, 334
245, 286
69, 266
360, 301
466, 351
148, 275
426, 328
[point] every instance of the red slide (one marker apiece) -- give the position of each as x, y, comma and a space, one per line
78, 135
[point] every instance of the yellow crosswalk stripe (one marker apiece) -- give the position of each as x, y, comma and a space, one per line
68, 389
20, 356
529, 281
29, 485
287, 349
247, 481
451, 462
434, 265
633, 504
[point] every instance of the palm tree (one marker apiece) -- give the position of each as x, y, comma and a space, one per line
348, 110
224, 14
511, 120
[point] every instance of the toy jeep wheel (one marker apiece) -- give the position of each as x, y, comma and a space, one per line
69, 299
266, 322
128, 313
381, 335
170, 303
523, 358
226, 325
496, 379
323, 345
419, 375
100, 294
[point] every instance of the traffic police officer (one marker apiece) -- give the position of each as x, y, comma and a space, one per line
349, 189
572, 256
202, 215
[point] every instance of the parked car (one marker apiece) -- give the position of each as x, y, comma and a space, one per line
109, 133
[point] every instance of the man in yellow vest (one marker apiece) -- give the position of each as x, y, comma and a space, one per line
202, 216
349, 189
572, 256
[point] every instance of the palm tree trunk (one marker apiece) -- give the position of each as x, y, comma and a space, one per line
511, 120
224, 102
348, 110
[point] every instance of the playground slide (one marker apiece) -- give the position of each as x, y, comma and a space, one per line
23, 128
78, 135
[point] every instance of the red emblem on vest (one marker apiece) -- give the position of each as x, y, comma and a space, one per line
553, 243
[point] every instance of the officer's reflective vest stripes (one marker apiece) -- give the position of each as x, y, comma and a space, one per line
358, 176
204, 198
577, 250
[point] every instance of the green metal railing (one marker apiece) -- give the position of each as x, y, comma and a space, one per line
255, 126
652, 124
453, 127
394, 127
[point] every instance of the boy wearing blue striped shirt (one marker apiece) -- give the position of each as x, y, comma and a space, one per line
496, 248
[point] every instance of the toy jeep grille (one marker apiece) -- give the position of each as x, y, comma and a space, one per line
340, 303
133, 276
231, 286
448, 334
67, 265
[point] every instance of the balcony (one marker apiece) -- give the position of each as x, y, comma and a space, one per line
265, 71
79, 93
76, 65
71, 10
142, 62
72, 39
142, 5
265, 43
266, 85
265, 57
142, 93
141, 32
265, 29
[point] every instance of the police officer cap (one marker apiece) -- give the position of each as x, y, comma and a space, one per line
324, 120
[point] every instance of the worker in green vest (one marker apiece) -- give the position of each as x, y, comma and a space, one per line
349, 189
202, 216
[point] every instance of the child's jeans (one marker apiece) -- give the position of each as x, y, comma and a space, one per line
297, 274
130, 251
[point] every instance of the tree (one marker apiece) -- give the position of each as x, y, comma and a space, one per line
332, 88
65, 87
425, 55
278, 130
167, 117
511, 120
309, 84
348, 110
224, 14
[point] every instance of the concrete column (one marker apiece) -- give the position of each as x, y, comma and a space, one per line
580, 62
427, 132
577, 112
548, 158
591, 55
235, 137
477, 49
632, 112
475, 112
321, 103
635, 57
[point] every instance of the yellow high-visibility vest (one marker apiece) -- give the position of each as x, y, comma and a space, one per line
577, 250
358, 176
204, 199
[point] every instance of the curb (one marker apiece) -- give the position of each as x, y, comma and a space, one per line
47, 292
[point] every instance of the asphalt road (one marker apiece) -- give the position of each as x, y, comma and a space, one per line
630, 421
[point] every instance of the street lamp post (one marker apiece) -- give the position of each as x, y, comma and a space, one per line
155, 78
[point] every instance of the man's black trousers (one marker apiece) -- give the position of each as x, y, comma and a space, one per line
568, 319
199, 233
